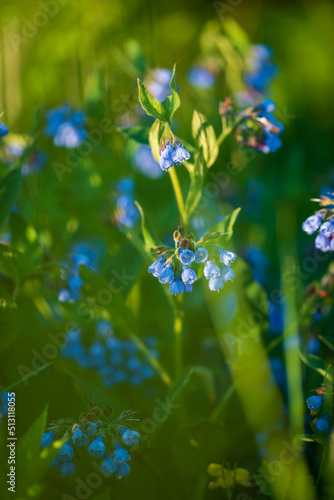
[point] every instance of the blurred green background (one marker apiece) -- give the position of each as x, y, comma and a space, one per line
60, 63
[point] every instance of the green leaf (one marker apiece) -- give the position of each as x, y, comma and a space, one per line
225, 226
236, 34
172, 102
328, 340
32, 462
9, 190
149, 103
315, 363
138, 134
205, 137
149, 239
154, 139
196, 185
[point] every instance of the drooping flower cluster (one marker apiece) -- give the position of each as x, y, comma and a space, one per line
4, 130
226, 477
171, 150
126, 213
174, 265
258, 128
3, 405
81, 253
117, 361
16, 149
322, 222
96, 435
65, 126
320, 407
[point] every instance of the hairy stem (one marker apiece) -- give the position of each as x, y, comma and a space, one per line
178, 194
178, 340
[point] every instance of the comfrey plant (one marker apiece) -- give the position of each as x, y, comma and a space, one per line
322, 222
66, 127
174, 265
97, 434
117, 361
257, 127
321, 409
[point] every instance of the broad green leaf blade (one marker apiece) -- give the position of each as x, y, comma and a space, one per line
9, 190
154, 139
149, 103
196, 185
225, 227
149, 239
205, 137
32, 462
172, 102
138, 134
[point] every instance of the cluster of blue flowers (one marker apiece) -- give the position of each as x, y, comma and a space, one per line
175, 270
260, 70
172, 154
3, 405
99, 436
316, 404
66, 127
81, 253
3, 130
323, 224
116, 361
258, 128
126, 213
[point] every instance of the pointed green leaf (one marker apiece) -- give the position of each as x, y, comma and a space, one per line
9, 189
172, 102
154, 139
149, 103
196, 184
205, 138
225, 226
149, 239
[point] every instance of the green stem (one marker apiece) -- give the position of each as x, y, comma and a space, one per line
178, 330
226, 131
3, 71
178, 194
322, 463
